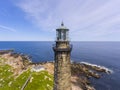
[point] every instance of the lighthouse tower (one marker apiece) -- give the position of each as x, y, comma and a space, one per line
62, 50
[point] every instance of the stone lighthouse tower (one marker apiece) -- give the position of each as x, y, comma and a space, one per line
62, 49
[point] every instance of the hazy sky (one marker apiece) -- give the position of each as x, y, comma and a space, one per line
36, 20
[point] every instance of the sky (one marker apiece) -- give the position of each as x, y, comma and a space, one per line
37, 20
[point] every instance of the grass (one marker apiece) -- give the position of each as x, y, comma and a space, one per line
39, 80
5, 77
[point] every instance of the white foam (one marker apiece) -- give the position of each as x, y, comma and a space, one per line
101, 67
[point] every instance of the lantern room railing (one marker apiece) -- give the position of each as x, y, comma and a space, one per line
69, 48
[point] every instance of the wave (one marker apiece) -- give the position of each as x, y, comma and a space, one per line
98, 66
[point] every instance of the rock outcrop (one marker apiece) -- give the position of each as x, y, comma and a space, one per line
80, 72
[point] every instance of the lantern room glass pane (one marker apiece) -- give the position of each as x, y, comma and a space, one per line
62, 35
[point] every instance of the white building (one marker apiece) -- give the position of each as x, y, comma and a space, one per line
38, 68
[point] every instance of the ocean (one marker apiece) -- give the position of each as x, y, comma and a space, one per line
101, 53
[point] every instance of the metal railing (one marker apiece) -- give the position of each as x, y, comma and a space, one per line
69, 48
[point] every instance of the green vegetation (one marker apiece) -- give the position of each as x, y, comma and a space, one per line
6, 76
20, 80
39, 80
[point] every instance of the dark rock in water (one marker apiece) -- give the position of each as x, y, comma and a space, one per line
6, 51
84, 72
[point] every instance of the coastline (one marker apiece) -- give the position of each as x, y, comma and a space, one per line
81, 72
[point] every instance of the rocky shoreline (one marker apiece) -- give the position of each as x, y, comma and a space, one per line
81, 72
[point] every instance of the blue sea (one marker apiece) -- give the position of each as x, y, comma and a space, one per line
101, 53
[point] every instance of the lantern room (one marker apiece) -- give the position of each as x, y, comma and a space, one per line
62, 33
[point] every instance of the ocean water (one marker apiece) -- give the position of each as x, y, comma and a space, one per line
101, 53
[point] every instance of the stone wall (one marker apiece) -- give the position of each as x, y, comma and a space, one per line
62, 71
